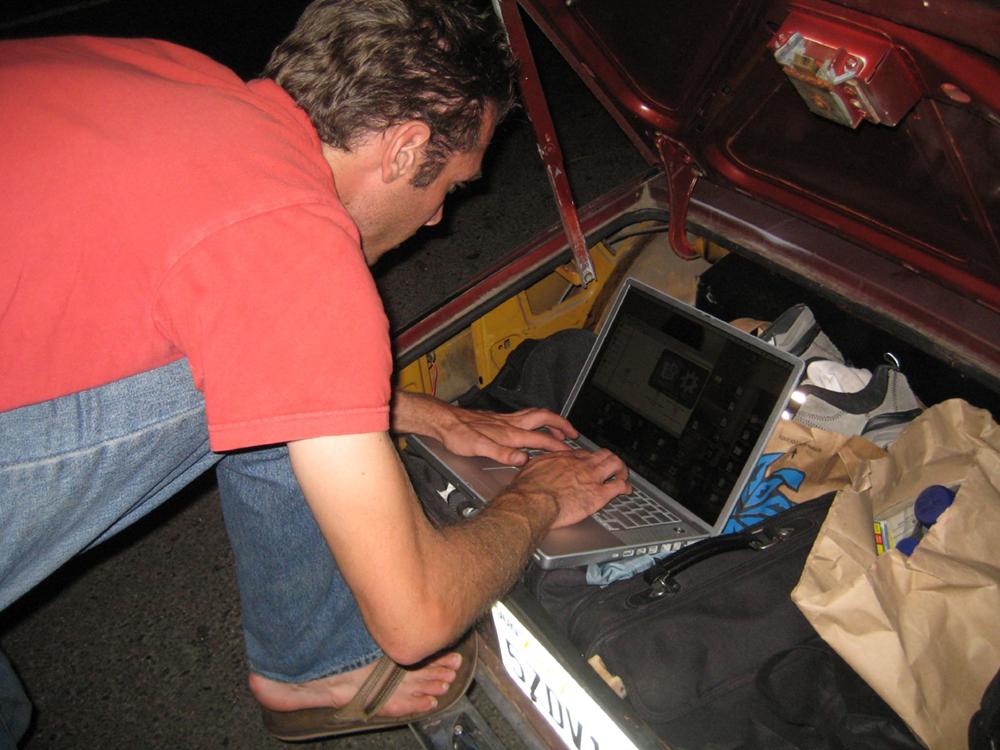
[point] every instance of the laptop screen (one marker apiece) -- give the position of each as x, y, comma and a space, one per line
682, 400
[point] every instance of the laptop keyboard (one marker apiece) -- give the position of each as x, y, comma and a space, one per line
632, 512
626, 512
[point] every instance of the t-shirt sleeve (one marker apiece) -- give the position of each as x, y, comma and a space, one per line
283, 328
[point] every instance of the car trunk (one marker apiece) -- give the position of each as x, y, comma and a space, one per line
845, 156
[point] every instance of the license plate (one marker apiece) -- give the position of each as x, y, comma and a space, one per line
576, 717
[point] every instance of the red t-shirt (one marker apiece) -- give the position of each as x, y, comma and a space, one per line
153, 206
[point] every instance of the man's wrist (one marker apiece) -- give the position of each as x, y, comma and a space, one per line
537, 511
414, 412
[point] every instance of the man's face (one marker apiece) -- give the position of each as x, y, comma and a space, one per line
396, 211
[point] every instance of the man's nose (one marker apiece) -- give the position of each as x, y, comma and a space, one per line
436, 218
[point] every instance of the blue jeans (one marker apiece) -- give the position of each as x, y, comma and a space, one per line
78, 469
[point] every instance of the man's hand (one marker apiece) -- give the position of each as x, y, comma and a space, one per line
469, 432
419, 587
578, 481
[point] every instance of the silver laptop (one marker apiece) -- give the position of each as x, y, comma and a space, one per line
687, 401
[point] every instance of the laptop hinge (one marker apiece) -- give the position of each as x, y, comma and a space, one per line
682, 175
545, 134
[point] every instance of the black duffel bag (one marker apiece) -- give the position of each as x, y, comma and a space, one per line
690, 637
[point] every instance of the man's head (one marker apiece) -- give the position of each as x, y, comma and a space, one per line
359, 67
376, 182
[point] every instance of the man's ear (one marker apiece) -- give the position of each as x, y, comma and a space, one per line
404, 150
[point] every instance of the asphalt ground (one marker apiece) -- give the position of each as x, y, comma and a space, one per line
138, 644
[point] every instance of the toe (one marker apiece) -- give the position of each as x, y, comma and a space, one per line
432, 688
438, 674
452, 660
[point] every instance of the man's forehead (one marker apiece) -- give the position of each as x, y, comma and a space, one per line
467, 166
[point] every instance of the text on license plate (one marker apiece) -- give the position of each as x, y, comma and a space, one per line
576, 717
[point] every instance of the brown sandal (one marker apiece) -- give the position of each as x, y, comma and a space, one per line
360, 714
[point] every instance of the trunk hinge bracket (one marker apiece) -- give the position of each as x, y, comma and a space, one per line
545, 134
682, 175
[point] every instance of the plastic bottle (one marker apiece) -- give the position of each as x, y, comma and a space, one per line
930, 504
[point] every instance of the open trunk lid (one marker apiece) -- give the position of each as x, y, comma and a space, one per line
877, 124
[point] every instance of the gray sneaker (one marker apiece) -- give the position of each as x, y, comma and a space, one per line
796, 331
878, 412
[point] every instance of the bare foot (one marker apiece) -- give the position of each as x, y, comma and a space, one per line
416, 692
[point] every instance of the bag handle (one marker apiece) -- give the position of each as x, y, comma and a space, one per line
757, 539
661, 578
760, 537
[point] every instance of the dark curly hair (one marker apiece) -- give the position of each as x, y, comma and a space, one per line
360, 66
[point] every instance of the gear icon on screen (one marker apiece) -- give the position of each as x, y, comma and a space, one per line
689, 382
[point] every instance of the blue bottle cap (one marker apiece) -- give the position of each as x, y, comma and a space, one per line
906, 546
931, 503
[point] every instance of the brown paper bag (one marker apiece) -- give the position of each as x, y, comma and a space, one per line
798, 464
923, 631
829, 461
750, 325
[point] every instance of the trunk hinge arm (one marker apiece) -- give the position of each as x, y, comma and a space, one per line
545, 134
682, 176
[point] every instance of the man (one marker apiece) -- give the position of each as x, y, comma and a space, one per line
185, 285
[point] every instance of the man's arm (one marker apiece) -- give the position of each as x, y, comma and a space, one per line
469, 432
418, 587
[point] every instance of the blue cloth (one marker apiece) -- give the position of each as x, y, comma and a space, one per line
602, 574
78, 469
